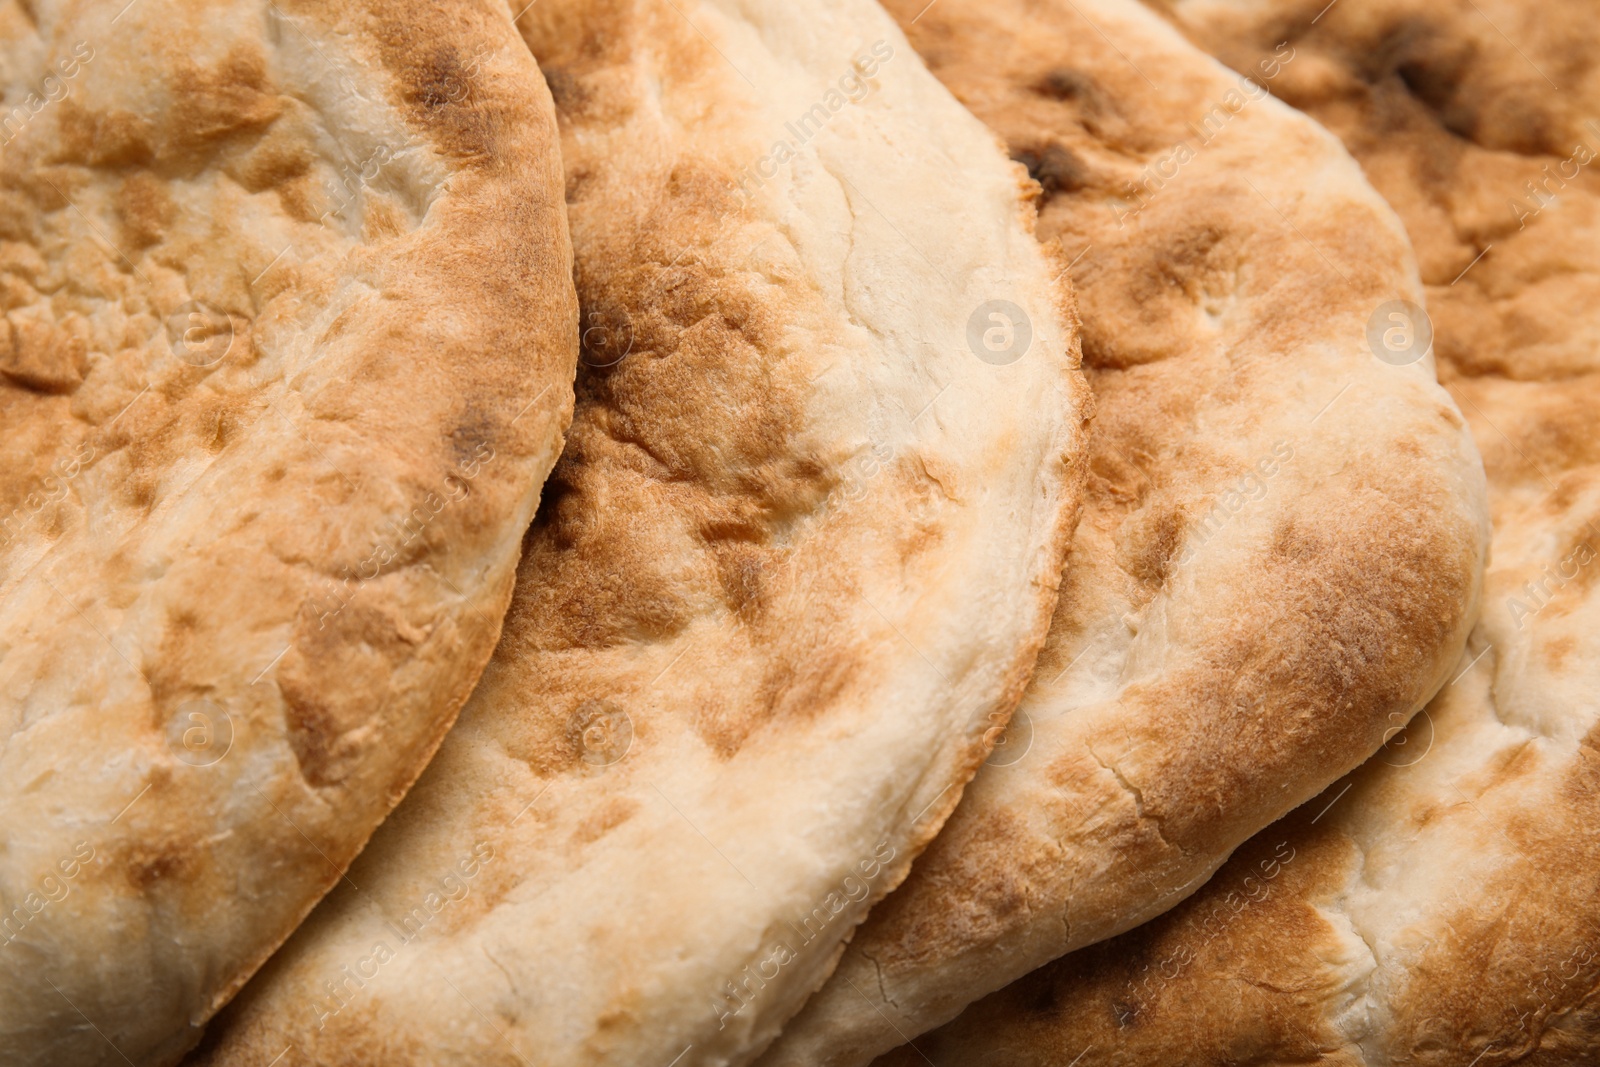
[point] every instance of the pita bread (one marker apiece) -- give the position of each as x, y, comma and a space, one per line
1257, 590
1438, 906
797, 560
289, 324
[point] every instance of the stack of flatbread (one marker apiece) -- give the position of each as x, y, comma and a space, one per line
1441, 905
657, 533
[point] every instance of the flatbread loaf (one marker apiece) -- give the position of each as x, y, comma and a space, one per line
1438, 906
288, 333
1283, 537
792, 570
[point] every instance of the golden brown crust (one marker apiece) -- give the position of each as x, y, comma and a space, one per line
1258, 591
795, 562
1441, 906
1111, 1003
289, 327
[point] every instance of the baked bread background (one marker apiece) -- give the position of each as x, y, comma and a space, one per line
288, 341
794, 565
815, 717
1438, 906
1279, 557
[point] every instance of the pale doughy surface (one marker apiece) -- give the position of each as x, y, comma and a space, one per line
1438, 906
1283, 536
796, 561
253, 559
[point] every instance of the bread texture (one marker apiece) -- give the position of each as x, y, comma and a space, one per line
791, 572
1283, 540
289, 330
1437, 906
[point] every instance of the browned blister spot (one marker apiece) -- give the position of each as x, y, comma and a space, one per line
333, 662
144, 207
151, 866
212, 104
113, 137
450, 94
607, 817
983, 878
43, 355
1141, 299
1176, 981
1515, 960
1149, 544
1055, 167
648, 502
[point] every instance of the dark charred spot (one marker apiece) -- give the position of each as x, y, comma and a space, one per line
1292, 543
440, 86
1041, 1000
342, 654
140, 493
313, 736
1460, 89
148, 864
1056, 168
565, 89
1070, 85
742, 561
1430, 65
441, 79
471, 444
578, 178
155, 869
